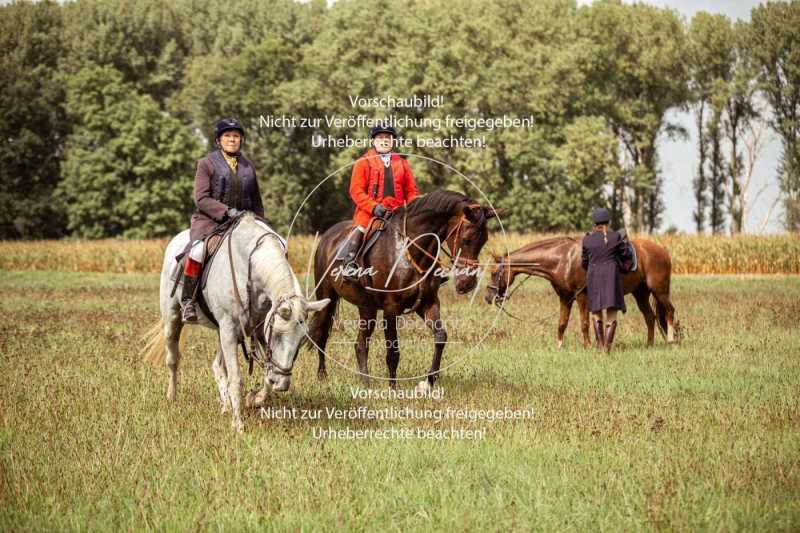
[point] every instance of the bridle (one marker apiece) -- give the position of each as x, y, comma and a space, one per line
259, 353
500, 299
455, 232
265, 359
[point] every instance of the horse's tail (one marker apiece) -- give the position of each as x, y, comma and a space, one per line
155, 348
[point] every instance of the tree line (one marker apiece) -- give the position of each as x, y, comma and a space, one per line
107, 105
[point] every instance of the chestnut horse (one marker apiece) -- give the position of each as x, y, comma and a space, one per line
558, 260
404, 274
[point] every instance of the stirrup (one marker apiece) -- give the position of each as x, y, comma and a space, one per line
188, 312
347, 266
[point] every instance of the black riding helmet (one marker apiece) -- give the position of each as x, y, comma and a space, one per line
227, 124
380, 128
601, 216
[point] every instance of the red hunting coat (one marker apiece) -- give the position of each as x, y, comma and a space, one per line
367, 185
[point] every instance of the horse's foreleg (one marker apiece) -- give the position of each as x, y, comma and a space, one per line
392, 348
583, 308
366, 326
642, 296
320, 331
563, 320
228, 342
430, 314
172, 335
221, 377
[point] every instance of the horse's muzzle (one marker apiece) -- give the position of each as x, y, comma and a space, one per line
279, 382
466, 284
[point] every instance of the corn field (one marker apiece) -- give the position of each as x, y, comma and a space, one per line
691, 254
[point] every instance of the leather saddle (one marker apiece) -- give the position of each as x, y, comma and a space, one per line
211, 245
374, 230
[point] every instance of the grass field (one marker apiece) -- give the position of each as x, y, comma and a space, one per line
704, 435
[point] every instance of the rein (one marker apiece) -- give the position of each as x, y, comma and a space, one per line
499, 300
458, 261
258, 353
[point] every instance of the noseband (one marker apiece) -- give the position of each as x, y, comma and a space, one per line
268, 362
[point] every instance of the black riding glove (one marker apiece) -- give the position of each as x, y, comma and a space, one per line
379, 211
233, 212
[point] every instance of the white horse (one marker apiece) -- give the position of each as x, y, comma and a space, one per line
272, 306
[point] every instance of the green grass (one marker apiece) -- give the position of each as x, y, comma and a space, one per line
704, 435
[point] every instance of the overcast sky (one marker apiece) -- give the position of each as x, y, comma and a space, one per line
679, 158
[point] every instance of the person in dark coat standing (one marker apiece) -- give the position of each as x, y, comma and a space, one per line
225, 185
603, 252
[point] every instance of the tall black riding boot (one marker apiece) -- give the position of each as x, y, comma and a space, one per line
348, 255
599, 334
610, 330
189, 313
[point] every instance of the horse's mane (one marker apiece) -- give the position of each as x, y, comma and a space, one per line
438, 201
544, 243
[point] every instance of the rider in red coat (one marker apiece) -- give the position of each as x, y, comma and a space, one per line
381, 182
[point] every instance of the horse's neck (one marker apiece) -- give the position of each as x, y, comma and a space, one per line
271, 270
268, 267
541, 261
428, 224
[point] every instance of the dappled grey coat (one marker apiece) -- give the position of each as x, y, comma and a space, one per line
602, 261
217, 188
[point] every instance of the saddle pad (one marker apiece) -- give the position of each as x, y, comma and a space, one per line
631, 263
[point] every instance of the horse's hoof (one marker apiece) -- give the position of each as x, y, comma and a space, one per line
423, 388
238, 426
322, 375
260, 398
249, 400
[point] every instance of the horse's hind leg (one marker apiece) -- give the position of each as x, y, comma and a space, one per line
221, 377
666, 313
583, 307
172, 336
392, 348
642, 295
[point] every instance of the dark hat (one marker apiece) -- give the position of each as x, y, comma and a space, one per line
380, 128
226, 124
601, 216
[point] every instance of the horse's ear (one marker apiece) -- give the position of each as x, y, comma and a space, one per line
472, 214
285, 311
318, 305
491, 212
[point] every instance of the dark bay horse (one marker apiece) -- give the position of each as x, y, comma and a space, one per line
558, 260
405, 272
